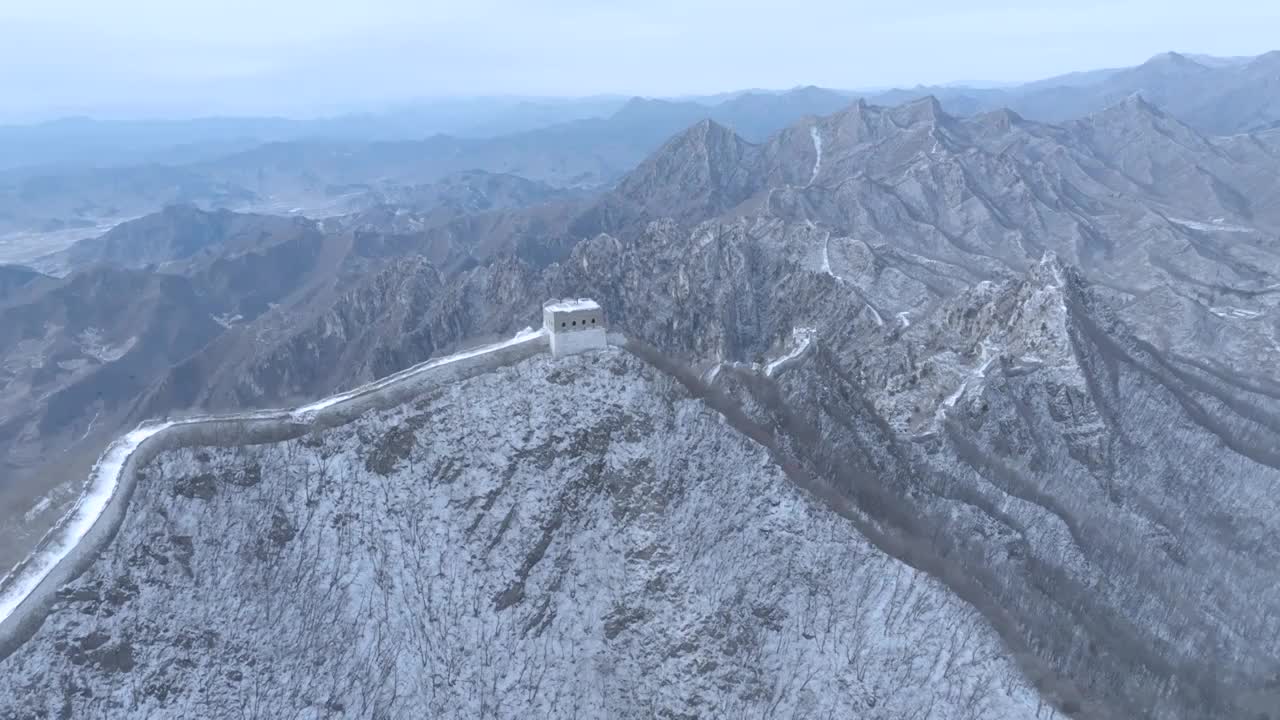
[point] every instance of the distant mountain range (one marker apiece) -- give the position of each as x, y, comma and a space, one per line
1217, 96
319, 167
82, 141
1136, 199
323, 176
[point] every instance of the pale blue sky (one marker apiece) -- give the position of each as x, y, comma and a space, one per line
303, 56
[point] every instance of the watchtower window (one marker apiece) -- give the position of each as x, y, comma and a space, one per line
575, 322
593, 321
562, 324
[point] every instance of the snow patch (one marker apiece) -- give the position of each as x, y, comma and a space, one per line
904, 317
91, 344
976, 377
570, 305
73, 365
226, 320
817, 151
801, 337
38, 508
103, 481
712, 374
91, 422
1218, 225
826, 258
875, 315
305, 412
1235, 313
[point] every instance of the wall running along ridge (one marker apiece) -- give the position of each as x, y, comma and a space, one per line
29, 590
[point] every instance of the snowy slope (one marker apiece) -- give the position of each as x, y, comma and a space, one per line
25, 591
556, 538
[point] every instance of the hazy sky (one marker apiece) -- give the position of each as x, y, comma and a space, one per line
145, 57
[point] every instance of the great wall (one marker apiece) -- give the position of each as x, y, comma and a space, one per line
29, 590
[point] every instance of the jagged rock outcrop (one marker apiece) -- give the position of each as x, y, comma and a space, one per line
700, 173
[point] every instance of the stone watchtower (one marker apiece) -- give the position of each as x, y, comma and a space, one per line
574, 325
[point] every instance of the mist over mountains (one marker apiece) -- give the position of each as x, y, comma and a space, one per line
1013, 348
74, 175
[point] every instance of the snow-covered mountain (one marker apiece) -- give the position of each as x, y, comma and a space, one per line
1033, 362
561, 538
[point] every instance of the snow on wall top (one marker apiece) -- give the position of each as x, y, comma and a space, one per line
104, 479
80, 519
571, 305
305, 411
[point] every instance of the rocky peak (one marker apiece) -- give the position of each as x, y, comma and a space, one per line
655, 117
704, 141
924, 110
699, 173
857, 124
1171, 62
1051, 270
1135, 105
640, 107
1026, 320
999, 120
708, 133
1040, 323
1135, 116
864, 124
1160, 76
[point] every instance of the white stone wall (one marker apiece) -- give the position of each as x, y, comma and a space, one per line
577, 341
28, 591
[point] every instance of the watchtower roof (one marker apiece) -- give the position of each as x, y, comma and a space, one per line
571, 305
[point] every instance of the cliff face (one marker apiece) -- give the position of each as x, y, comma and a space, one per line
558, 538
